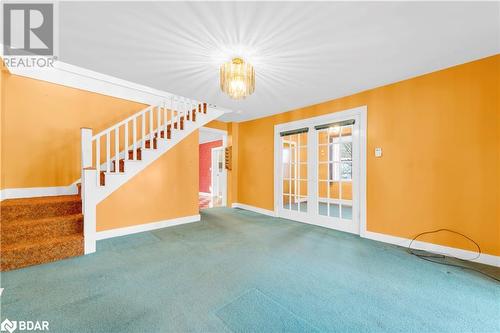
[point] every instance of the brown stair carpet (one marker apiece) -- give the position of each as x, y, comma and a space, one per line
40, 230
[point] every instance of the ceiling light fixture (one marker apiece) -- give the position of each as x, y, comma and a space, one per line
237, 78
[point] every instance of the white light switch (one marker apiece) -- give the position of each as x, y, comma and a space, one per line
378, 152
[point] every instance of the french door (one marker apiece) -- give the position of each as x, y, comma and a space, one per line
318, 171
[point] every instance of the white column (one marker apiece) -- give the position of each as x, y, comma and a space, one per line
117, 149
125, 147
134, 138
143, 137
86, 137
89, 209
108, 152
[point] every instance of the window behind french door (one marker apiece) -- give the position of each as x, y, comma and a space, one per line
319, 174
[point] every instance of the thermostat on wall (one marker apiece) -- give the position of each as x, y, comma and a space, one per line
378, 152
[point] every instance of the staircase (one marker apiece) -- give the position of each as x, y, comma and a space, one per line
40, 230
112, 157
46, 229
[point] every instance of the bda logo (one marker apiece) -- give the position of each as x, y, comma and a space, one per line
8, 325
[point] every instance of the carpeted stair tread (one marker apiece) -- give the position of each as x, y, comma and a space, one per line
29, 253
42, 207
38, 229
40, 200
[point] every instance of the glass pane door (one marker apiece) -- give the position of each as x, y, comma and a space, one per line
335, 162
294, 184
318, 171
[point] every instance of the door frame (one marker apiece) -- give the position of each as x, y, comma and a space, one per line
360, 113
224, 145
223, 182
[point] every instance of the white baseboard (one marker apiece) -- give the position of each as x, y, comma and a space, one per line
146, 227
487, 259
253, 209
30, 192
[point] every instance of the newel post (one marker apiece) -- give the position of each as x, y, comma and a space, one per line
89, 186
86, 134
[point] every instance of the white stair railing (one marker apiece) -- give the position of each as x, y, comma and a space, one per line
156, 126
146, 126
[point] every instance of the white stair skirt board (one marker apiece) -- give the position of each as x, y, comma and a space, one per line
487, 259
253, 209
30, 192
146, 227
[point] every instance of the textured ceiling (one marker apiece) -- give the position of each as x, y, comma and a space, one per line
208, 136
303, 53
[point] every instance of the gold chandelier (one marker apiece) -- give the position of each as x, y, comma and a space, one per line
237, 78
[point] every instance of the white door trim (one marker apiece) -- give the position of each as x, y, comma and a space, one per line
223, 181
360, 114
224, 145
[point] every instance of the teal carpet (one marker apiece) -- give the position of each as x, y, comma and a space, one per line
238, 271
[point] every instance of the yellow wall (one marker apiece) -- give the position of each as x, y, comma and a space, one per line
40, 133
3, 70
166, 189
217, 125
41, 124
440, 166
439, 132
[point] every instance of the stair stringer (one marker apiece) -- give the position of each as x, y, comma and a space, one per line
93, 193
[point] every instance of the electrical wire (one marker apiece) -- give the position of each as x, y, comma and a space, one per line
430, 256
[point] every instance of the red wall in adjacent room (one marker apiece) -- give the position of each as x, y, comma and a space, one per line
205, 161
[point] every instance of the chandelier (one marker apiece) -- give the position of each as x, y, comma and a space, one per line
237, 78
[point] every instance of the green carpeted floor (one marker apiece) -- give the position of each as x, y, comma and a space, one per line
244, 272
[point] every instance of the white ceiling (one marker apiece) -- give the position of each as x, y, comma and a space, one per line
209, 136
303, 53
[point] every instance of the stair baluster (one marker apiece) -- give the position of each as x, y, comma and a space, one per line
101, 181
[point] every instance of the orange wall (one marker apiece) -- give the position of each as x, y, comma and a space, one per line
2, 116
40, 129
217, 125
440, 166
40, 132
232, 175
166, 189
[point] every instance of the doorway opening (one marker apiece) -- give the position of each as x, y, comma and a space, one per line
212, 169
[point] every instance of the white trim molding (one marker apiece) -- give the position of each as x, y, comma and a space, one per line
487, 259
146, 227
205, 194
358, 223
30, 192
81, 78
253, 209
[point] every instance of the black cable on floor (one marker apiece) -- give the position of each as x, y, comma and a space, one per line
429, 256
